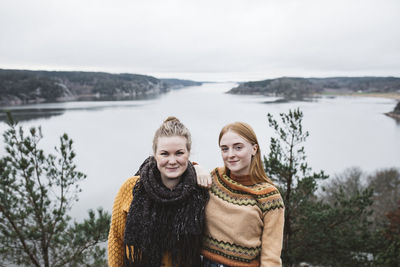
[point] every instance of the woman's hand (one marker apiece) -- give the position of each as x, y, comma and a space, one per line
204, 178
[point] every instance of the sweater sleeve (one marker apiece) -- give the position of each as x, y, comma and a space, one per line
117, 229
272, 237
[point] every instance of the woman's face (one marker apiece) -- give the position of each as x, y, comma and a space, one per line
237, 153
172, 159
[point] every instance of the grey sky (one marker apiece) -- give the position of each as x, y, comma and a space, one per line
204, 39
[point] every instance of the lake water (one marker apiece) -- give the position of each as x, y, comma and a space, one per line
112, 138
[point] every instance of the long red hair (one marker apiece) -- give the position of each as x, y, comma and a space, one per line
257, 172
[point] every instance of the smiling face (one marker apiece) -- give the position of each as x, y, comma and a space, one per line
237, 153
172, 159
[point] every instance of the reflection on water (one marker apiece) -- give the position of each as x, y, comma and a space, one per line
116, 98
30, 114
44, 111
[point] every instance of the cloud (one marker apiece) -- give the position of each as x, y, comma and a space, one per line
241, 37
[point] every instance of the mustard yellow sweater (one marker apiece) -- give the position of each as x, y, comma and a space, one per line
244, 223
120, 210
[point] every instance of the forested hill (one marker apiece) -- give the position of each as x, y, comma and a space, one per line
25, 86
303, 87
177, 83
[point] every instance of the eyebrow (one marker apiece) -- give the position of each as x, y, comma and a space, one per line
175, 151
235, 144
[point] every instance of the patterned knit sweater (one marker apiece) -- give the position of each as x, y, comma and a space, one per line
244, 222
120, 210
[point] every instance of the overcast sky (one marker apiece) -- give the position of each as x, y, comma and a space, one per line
216, 40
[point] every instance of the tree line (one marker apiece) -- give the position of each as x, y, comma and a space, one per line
351, 219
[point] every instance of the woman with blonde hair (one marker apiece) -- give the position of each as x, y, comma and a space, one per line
245, 213
158, 215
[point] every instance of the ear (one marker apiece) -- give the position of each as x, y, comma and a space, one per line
255, 148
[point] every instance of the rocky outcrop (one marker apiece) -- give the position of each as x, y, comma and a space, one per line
395, 113
397, 109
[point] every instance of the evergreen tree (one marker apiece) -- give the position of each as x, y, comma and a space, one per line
286, 165
37, 191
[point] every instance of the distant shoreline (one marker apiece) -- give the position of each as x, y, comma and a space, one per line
380, 95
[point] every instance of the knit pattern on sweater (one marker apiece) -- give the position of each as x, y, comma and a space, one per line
264, 195
235, 252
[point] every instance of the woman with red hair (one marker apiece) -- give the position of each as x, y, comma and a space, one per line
245, 212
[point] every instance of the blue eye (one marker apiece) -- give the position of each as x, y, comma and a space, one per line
224, 149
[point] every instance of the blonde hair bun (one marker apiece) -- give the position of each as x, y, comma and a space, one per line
171, 118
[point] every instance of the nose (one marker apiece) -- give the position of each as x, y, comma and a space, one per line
230, 153
172, 160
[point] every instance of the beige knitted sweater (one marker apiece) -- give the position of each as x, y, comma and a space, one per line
244, 222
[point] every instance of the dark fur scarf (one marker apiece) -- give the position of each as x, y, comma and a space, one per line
162, 220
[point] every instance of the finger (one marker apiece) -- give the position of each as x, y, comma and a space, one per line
209, 181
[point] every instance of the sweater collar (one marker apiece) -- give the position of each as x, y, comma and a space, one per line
241, 179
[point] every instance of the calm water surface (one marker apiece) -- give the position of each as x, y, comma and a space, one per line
113, 138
